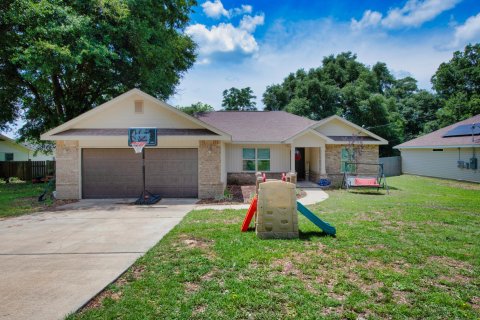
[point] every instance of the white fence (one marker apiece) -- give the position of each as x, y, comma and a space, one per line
392, 166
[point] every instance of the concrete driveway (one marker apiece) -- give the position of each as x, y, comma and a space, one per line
52, 263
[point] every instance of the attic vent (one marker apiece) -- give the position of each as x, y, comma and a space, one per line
138, 106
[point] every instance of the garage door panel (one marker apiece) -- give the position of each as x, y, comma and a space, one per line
117, 173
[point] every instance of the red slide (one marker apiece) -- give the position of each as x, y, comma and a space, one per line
251, 211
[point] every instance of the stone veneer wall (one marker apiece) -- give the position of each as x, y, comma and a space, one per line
67, 170
333, 157
209, 170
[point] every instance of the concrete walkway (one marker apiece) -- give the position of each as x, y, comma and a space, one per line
314, 195
52, 263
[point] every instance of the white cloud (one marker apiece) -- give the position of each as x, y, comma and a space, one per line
369, 19
467, 32
223, 38
214, 9
290, 46
413, 14
249, 23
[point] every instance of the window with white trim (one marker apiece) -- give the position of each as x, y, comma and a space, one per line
256, 159
9, 157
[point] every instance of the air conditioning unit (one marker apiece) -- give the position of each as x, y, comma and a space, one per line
473, 163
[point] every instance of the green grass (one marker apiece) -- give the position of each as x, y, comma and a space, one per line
19, 198
413, 254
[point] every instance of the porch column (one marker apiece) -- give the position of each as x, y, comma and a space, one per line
292, 158
322, 160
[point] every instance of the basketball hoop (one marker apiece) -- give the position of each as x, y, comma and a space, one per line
138, 146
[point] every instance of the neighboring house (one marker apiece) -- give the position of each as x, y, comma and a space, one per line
451, 152
196, 157
10, 150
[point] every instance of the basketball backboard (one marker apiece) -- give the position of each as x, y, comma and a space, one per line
148, 135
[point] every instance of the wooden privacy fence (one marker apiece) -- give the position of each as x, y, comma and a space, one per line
26, 170
392, 166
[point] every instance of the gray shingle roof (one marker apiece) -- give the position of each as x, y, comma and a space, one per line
436, 138
124, 132
257, 126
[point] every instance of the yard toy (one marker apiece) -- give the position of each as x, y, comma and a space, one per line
325, 226
250, 213
377, 182
275, 205
276, 211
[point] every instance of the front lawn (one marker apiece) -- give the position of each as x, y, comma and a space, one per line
413, 254
21, 197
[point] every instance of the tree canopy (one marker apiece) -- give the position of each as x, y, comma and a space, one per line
59, 59
196, 108
235, 99
457, 83
368, 96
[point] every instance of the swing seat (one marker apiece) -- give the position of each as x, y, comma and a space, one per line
366, 182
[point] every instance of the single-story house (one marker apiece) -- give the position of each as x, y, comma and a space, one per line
196, 156
10, 150
450, 152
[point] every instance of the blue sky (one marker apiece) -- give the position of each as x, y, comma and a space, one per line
258, 43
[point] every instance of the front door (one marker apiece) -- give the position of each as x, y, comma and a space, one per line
300, 163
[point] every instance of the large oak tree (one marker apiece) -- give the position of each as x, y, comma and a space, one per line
59, 59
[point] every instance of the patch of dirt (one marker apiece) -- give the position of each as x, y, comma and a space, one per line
97, 301
449, 262
455, 279
199, 309
196, 243
458, 184
209, 275
301, 193
475, 302
237, 195
134, 273
400, 297
191, 287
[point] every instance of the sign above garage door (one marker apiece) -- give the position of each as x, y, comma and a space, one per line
148, 135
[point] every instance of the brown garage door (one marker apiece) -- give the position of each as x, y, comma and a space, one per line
117, 173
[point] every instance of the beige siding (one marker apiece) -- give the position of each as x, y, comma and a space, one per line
279, 156
314, 159
441, 164
19, 153
124, 116
337, 128
308, 140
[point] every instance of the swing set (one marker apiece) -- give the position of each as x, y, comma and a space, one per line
356, 181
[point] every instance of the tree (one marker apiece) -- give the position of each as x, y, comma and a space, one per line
196, 108
235, 99
457, 83
59, 59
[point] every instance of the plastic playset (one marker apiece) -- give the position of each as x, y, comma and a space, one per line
275, 206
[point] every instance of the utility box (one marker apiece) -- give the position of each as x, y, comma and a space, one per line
277, 211
473, 163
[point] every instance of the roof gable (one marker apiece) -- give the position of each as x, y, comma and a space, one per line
435, 138
14, 143
120, 113
341, 130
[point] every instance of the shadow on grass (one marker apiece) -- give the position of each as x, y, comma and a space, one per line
307, 236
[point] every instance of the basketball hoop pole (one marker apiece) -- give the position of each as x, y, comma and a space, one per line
139, 138
143, 172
